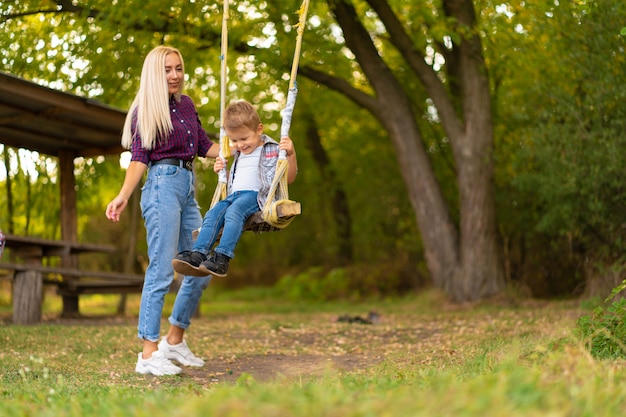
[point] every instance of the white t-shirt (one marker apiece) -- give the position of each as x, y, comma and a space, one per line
246, 171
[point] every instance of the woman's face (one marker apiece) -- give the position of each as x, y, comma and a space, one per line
173, 72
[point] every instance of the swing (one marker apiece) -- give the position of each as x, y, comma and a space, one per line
278, 211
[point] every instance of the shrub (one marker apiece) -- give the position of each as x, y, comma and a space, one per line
350, 283
604, 331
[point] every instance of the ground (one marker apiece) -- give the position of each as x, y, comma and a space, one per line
275, 366
264, 347
299, 345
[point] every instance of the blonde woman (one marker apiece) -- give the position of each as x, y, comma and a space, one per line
164, 134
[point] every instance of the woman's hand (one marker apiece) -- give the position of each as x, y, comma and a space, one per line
115, 208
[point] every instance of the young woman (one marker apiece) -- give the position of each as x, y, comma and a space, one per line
164, 135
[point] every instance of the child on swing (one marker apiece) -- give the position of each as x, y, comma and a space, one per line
249, 182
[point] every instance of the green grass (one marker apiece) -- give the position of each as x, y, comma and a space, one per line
425, 358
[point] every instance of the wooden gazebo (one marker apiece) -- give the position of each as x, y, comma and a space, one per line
61, 125
58, 124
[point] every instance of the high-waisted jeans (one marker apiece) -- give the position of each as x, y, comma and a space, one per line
171, 213
230, 213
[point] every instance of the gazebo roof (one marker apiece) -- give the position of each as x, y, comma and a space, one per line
58, 124
48, 121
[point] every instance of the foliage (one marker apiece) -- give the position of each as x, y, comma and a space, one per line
357, 282
617, 291
34, 185
561, 199
313, 285
604, 331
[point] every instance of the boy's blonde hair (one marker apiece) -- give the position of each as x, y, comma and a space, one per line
241, 114
151, 103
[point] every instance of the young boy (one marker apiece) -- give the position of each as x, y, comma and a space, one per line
249, 182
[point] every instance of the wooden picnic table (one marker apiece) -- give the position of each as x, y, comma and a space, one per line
28, 278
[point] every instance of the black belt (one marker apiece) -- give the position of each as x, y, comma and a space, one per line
188, 165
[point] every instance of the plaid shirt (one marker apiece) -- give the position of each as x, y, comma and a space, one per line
187, 140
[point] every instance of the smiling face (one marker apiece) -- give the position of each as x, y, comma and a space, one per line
173, 72
244, 139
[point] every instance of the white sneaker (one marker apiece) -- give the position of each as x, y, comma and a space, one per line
158, 365
179, 353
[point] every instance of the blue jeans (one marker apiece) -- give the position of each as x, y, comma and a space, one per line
171, 213
231, 213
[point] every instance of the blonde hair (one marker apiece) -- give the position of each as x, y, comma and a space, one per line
151, 104
240, 114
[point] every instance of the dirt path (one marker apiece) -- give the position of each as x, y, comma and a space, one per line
273, 347
301, 345
266, 368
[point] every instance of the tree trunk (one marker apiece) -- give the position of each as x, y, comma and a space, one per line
335, 189
392, 107
69, 224
437, 230
482, 271
10, 211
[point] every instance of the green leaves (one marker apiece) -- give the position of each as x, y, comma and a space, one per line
561, 129
603, 332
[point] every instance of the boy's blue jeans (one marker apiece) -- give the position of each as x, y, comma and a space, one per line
231, 213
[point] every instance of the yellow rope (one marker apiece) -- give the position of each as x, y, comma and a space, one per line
219, 194
279, 191
221, 189
302, 12
224, 141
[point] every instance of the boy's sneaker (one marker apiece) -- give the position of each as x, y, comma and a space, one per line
216, 264
179, 353
187, 263
158, 365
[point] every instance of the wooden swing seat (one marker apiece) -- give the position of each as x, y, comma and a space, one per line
256, 224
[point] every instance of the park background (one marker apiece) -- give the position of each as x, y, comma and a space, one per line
462, 177
506, 178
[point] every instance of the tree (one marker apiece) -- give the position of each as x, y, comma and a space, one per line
465, 261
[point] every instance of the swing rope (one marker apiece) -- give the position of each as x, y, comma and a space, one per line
279, 189
221, 189
278, 197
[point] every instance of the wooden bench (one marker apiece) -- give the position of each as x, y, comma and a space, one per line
78, 281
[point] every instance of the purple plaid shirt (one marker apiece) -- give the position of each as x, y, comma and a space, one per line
187, 140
